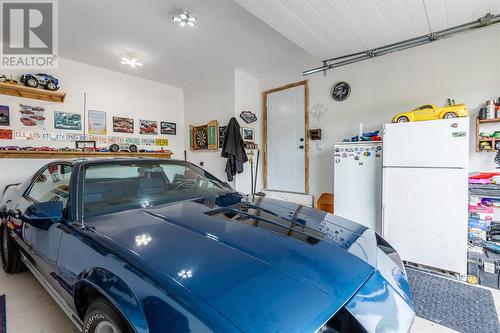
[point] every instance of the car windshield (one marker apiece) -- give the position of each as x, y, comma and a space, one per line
118, 186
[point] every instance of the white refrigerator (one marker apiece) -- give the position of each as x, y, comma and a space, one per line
358, 182
425, 192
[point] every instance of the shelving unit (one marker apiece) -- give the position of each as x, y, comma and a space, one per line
76, 154
19, 90
480, 139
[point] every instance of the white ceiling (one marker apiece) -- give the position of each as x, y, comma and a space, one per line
100, 32
332, 28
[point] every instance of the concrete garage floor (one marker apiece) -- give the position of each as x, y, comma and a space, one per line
31, 309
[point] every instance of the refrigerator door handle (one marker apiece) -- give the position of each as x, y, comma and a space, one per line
382, 227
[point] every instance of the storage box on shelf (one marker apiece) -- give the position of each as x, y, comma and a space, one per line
482, 141
483, 257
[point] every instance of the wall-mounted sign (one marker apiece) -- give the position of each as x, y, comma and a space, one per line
70, 137
5, 134
161, 142
97, 122
248, 116
168, 128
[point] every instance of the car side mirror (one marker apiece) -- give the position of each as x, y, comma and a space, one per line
42, 214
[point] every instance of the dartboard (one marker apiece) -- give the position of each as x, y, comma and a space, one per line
201, 138
341, 91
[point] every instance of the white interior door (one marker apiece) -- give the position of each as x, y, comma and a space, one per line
286, 140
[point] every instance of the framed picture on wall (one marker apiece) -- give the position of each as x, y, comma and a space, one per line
97, 122
4, 115
168, 128
248, 134
67, 121
148, 127
123, 125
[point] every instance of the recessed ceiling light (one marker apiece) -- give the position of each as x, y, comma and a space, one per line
132, 62
184, 18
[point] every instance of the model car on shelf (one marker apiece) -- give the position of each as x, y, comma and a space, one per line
116, 147
45, 80
157, 245
8, 148
432, 112
44, 148
67, 149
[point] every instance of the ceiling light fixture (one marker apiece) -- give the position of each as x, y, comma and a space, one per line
184, 18
132, 62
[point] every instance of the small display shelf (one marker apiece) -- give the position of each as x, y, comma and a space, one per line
76, 154
480, 141
19, 90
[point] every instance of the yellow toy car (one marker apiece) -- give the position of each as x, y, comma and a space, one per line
432, 112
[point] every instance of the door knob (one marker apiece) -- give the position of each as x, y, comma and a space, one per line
301, 139
301, 147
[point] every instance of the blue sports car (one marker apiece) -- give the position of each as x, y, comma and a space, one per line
150, 245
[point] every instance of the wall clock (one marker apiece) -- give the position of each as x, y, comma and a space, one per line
341, 91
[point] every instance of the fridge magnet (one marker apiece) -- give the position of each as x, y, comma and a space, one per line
168, 128
248, 116
97, 122
248, 134
4, 115
123, 125
32, 116
148, 127
67, 121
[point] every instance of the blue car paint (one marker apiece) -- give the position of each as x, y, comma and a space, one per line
242, 278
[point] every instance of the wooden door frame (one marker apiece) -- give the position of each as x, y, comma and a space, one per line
304, 83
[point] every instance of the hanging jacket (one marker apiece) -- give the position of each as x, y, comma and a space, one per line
233, 150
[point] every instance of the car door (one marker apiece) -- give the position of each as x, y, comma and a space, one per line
51, 184
425, 112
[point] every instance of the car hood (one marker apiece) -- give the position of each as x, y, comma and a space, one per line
229, 251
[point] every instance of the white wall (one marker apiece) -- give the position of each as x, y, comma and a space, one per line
465, 67
208, 100
221, 98
115, 93
247, 99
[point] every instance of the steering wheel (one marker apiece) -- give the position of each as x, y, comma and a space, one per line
183, 183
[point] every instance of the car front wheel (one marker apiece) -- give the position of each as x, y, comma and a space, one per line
102, 318
10, 255
32, 82
403, 119
450, 115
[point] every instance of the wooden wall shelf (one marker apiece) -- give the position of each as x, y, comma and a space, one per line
19, 90
76, 154
479, 139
